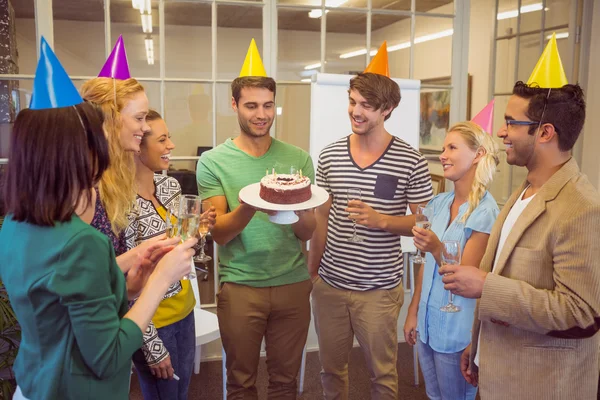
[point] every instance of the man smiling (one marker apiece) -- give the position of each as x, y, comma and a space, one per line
358, 284
265, 286
535, 329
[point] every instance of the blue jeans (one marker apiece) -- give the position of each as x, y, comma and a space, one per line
180, 340
441, 371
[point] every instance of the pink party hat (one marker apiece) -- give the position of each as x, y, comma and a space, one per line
116, 65
485, 118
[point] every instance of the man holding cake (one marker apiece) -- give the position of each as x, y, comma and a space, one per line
265, 286
358, 284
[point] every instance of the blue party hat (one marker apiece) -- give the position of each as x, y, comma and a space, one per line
52, 87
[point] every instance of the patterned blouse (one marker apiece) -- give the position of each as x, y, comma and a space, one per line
145, 223
102, 224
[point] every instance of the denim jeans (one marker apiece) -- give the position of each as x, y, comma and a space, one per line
441, 371
180, 340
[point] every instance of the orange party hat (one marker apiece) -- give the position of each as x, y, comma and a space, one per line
379, 63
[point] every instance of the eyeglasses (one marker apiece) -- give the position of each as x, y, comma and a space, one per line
514, 122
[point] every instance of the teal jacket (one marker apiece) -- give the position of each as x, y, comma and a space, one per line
69, 296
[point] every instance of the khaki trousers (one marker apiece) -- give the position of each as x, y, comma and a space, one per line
372, 317
280, 314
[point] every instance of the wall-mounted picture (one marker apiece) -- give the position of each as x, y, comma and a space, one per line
435, 113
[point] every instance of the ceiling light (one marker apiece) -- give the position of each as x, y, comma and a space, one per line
434, 36
395, 47
316, 13
524, 10
354, 53
145, 6
562, 35
313, 66
149, 44
305, 80
405, 45
146, 23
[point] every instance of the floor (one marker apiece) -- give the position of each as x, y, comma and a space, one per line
208, 384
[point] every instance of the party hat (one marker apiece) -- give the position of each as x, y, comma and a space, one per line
548, 72
52, 87
485, 117
253, 65
116, 65
379, 63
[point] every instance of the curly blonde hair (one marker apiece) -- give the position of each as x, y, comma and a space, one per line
117, 186
476, 139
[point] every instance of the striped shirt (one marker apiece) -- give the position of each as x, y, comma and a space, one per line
399, 177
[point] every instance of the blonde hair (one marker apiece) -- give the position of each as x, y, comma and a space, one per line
117, 186
477, 139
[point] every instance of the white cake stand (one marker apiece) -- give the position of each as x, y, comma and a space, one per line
285, 212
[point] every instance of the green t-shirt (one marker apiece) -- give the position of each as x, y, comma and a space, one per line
263, 254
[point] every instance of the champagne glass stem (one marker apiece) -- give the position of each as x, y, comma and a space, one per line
202, 244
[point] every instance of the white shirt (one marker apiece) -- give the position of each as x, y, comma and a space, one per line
510, 221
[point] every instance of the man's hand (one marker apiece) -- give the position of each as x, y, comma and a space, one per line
466, 371
364, 214
410, 328
462, 280
163, 370
210, 216
309, 213
244, 204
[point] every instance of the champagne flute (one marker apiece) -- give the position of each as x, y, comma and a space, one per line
450, 256
354, 194
203, 231
423, 222
187, 223
171, 221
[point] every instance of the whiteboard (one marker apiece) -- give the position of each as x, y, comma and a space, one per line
329, 120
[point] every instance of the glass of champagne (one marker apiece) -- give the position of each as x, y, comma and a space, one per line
354, 194
203, 231
171, 221
450, 256
188, 221
421, 221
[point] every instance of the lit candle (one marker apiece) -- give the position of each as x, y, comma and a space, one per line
300, 173
267, 174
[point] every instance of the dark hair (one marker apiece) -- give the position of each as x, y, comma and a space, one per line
261, 82
55, 155
380, 91
565, 110
153, 115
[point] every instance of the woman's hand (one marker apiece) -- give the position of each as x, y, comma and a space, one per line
148, 254
410, 328
163, 370
176, 263
426, 240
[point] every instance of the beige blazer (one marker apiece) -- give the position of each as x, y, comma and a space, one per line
547, 287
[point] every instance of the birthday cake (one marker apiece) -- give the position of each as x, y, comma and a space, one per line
285, 188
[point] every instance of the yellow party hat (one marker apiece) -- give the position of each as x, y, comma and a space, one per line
379, 63
253, 65
548, 72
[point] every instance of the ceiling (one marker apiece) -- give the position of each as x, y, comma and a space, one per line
233, 16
